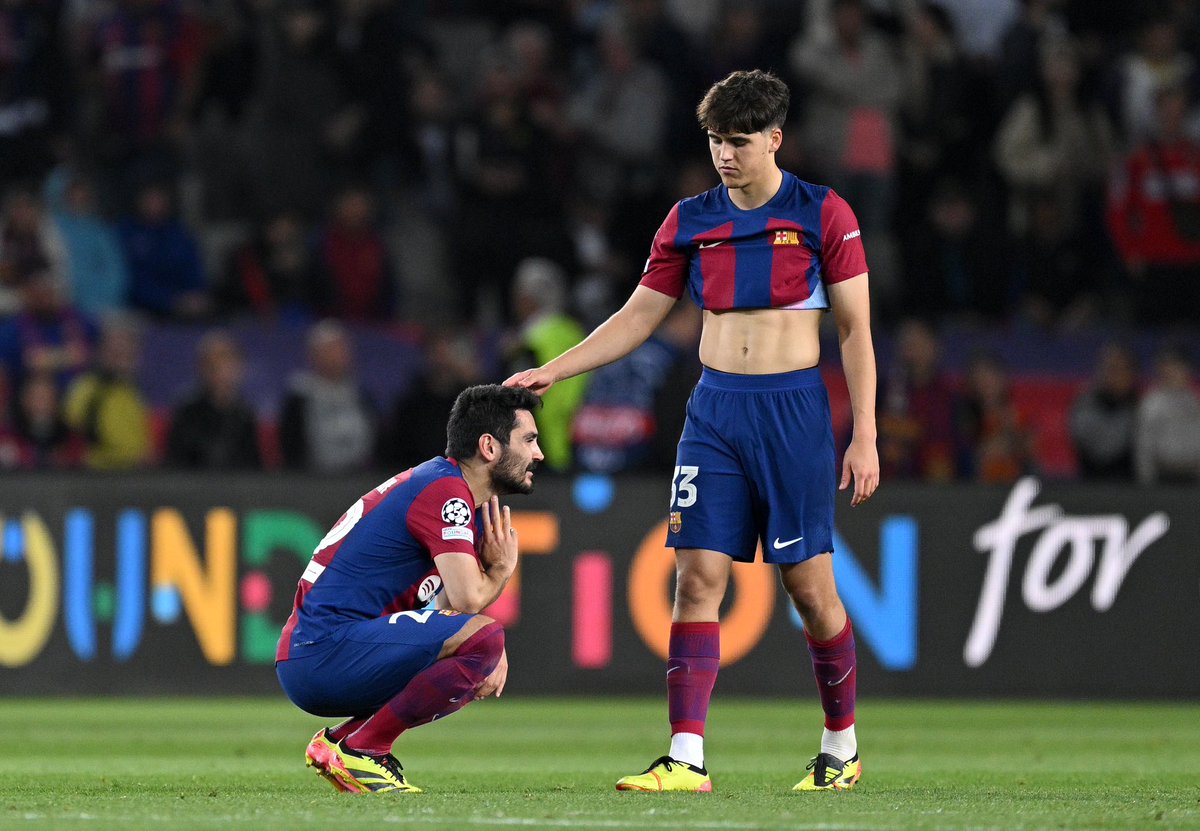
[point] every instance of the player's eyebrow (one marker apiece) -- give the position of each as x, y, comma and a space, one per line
733, 138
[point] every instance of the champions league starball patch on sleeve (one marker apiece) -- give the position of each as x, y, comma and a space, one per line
457, 512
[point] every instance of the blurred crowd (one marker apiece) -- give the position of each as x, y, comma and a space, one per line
493, 172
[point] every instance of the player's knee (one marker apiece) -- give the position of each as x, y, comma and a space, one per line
814, 603
485, 646
695, 590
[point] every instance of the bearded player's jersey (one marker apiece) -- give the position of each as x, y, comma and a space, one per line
781, 255
379, 557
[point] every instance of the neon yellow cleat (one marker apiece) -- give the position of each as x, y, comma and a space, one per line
321, 754
830, 774
666, 774
362, 773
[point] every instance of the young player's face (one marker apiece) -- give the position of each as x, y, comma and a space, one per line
513, 472
744, 159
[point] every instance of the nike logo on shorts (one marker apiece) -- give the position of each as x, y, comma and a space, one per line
778, 545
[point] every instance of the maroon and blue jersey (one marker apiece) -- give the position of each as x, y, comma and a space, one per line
781, 255
379, 558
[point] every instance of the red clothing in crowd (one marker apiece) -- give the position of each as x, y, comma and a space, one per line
1159, 185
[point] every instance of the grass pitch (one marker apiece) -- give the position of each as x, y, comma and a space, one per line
133, 764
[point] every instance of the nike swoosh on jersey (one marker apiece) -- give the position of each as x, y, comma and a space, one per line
711, 244
779, 544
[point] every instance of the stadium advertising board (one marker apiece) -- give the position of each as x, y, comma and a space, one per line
164, 583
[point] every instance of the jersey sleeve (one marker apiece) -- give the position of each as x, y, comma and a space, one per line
666, 269
442, 518
842, 254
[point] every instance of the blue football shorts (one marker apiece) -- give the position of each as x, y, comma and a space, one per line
755, 463
367, 662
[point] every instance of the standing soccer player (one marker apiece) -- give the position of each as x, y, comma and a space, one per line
360, 641
763, 254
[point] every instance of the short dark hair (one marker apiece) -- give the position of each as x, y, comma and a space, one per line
744, 102
485, 408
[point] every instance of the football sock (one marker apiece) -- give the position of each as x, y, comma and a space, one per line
694, 655
443, 688
841, 744
688, 747
835, 670
344, 729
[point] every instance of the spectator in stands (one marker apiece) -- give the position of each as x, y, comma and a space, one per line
96, 270
545, 331
39, 438
1020, 66
916, 409
372, 53
996, 442
940, 109
142, 59
419, 417
849, 131
1104, 416
956, 266
1167, 447
354, 262
49, 335
1158, 61
293, 119
1054, 149
273, 275
620, 118
106, 407
741, 37
500, 154
29, 242
215, 429
328, 423
617, 426
1154, 216
166, 276
33, 91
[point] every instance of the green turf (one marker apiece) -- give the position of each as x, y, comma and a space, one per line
550, 763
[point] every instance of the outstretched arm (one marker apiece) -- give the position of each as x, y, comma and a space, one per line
852, 311
613, 339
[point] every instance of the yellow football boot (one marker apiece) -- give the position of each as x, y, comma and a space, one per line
666, 774
830, 774
321, 754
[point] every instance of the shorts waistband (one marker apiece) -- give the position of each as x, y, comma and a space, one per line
773, 382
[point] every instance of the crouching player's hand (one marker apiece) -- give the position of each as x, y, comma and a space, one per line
494, 683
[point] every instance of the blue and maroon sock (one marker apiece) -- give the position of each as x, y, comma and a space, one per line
336, 734
693, 659
835, 668
437, 691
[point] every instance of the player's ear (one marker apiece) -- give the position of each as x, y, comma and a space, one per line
487, 447
774, 139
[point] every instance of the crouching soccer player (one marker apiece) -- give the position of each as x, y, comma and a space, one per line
360, 641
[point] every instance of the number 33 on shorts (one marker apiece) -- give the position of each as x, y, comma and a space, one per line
683, 492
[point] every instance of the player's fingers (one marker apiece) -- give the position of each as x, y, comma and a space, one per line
845, 477
516, 378
506, 522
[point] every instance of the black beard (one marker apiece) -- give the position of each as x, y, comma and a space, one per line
508, 476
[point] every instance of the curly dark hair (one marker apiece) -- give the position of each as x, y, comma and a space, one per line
485, 408
744, 102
